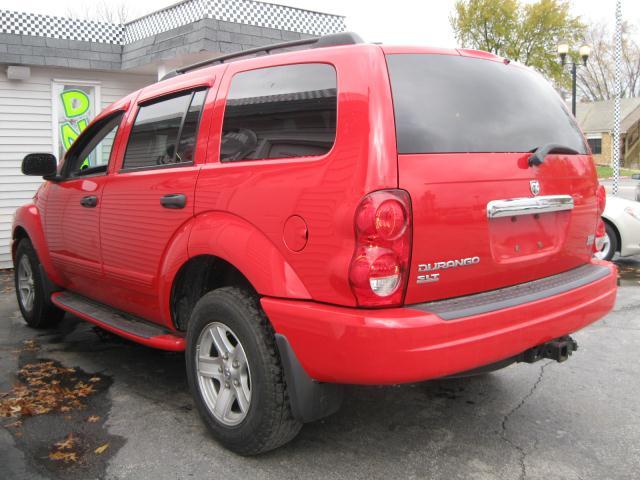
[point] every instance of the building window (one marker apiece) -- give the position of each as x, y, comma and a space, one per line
595, 144
75, 105
280, 112
154, 140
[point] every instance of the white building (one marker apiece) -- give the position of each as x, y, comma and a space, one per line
57, 73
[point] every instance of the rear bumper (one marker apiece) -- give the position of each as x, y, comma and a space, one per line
398, 345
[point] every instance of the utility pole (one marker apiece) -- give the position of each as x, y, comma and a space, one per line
618, 92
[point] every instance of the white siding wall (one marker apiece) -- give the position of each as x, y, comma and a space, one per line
26, 126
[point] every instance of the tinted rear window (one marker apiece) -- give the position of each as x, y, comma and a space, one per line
447, 103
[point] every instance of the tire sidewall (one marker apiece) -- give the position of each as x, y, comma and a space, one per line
214, 307
613, 242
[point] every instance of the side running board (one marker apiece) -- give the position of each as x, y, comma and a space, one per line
118, 322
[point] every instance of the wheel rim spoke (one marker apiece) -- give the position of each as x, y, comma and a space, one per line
224, 401
242, 397
221, 341
210, 367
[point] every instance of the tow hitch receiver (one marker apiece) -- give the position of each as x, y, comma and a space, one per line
559, 350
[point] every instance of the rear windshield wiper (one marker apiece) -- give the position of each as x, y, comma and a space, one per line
539, 153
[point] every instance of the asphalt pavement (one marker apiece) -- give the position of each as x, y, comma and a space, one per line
125, 413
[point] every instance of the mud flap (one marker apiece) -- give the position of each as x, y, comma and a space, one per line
310, 400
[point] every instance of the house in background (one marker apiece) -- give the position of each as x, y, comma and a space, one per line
57, 73
596, 121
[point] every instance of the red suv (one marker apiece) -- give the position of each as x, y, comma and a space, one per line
339, 213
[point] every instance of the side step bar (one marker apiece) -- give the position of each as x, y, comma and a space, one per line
118, 322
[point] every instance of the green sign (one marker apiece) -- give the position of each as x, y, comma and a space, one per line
75, 110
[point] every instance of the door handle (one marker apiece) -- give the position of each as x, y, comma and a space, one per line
90, 201
174, 200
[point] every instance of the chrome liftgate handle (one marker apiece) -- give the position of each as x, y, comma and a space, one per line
512, 207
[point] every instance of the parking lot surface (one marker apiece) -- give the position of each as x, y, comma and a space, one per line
626, 187
124, 411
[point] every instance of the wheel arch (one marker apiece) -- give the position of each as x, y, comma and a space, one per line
196, 277
221, 249
29, 224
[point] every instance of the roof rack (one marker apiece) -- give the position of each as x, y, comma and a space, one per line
333, 40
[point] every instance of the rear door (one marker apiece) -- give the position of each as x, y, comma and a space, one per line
465, 130
150, 198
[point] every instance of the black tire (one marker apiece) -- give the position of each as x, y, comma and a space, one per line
42, 313
269, 422
613, 239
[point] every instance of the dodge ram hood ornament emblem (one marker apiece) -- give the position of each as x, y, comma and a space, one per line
535, 187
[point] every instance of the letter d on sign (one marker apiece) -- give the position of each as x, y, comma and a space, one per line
75, 103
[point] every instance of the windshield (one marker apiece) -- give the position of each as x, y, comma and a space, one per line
449, 103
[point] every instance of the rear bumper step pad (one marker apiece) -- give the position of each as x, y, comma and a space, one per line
480, 303
118, 322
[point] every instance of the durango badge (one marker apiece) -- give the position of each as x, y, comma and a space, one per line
431, 267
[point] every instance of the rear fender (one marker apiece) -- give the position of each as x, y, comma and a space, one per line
242, 245
29, 219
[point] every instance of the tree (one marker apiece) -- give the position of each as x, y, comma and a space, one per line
596, 79
102, 11
527, 33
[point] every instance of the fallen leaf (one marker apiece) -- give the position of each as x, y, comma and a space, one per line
101, 448
66, 457
93, 419
66, 444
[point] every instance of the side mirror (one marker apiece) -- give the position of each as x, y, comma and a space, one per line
635, 176
40, 164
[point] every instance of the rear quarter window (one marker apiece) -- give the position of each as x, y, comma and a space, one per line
449, 103
280, 112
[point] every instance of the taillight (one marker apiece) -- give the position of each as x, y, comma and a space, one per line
601, 199
380, 263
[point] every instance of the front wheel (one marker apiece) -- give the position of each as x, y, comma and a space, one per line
235, 374
36, 308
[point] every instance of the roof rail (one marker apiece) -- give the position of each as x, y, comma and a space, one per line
333, 40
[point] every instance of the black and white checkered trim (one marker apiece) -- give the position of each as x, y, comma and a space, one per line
59, 27
246, 12
275, 16
166, 19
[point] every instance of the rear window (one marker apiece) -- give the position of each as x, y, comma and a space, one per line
448, 103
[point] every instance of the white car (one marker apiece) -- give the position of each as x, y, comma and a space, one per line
622, 222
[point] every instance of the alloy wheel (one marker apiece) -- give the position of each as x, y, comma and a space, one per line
604, 252
224, 377
26, 283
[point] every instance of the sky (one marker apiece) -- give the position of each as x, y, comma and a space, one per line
419, 22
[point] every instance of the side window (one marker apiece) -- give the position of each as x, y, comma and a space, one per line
93, 148
280, 112
164, 132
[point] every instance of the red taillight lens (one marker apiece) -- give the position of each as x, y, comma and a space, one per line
380, 262
601, 199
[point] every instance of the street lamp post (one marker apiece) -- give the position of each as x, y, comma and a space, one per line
584, 51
